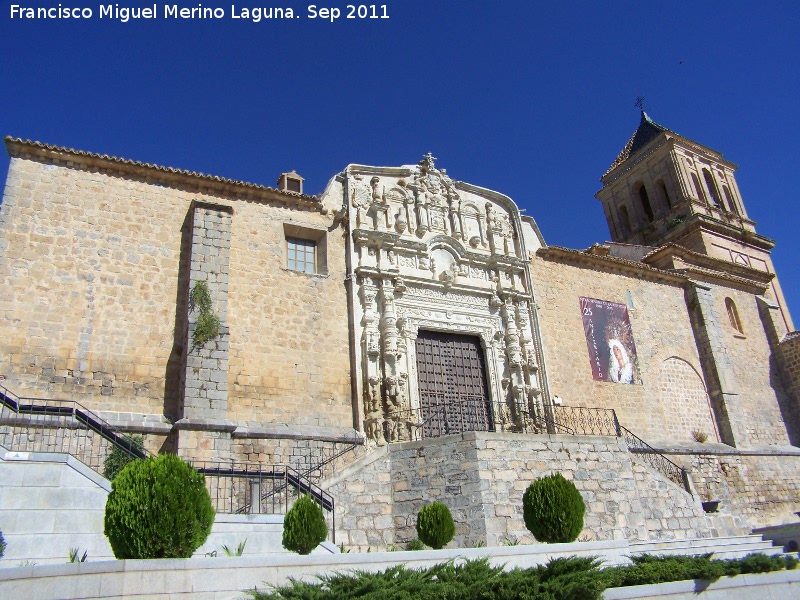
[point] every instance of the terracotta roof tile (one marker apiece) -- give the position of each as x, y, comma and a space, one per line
12, 141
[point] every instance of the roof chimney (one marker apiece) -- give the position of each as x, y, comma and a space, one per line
290, 182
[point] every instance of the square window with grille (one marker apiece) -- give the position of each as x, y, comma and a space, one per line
301, 255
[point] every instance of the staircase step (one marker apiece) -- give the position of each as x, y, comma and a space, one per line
724, 547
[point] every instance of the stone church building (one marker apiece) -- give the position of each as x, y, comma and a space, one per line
405, 336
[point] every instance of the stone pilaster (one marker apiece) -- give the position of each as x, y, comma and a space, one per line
717, 368
205, 377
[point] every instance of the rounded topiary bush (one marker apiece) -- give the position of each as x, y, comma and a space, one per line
158, 508
304, 526
553, 509
435, 527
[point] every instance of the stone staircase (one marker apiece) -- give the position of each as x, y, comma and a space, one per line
51, 502
722, 547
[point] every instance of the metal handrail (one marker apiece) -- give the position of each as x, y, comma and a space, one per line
655, 459
21, 413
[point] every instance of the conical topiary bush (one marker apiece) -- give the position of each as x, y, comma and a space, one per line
435, 526
304, 526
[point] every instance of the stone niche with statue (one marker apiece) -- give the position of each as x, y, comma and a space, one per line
441, 301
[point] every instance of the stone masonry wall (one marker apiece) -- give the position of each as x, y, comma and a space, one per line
90, 301
737, 374
661, 329
762, 488
205, 389
788, 362
483, 476
761, 392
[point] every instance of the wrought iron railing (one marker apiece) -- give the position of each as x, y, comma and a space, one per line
584, 421
444, 419
65, 426
238, 488
39, 425
327, 456
639, 448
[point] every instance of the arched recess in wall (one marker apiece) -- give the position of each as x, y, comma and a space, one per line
712, 187
701, 195
685, 404
625, 219
663, 187
646, 206
729, 200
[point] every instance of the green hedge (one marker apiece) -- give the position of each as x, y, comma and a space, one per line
304, 526
570, 578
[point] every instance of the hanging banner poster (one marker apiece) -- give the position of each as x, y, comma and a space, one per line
612, 352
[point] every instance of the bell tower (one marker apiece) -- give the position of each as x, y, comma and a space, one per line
664, 188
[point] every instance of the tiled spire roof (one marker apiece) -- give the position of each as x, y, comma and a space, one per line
646, 132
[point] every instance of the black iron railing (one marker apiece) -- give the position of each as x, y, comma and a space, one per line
241, 488
65, 426
444, 419
584, 421
39, 425
641, 449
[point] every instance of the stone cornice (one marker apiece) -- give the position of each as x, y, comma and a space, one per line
610, 263
751, 279
700, 221
155, 174
708, 265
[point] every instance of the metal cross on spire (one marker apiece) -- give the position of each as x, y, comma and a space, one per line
639, 102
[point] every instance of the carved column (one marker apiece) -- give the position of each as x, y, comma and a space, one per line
373, 407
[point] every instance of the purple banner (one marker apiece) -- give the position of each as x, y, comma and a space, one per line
612, 352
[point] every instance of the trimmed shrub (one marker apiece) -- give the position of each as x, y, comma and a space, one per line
553, 509
158, 508
435, 527
415, 545
118, 458
2, 545
304, 526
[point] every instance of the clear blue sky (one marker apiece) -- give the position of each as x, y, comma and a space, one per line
531, 99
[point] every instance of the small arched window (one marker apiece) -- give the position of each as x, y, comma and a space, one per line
648, 209
625, 219
733, 315
729, 200
663, 187
712, 187
701, 195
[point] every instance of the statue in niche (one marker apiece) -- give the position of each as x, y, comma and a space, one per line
400, 221
374, 415
422, 214
361, 199
392, 392
377, 197
455, 220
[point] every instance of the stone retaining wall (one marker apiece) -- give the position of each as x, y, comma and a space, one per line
482, 477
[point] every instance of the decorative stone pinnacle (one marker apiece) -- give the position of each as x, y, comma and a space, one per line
428, 162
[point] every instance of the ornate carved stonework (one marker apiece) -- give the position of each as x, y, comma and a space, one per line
430, 253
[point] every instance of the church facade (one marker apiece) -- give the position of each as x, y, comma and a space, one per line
426, 320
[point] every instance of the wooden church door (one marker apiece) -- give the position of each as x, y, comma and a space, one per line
452, 384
